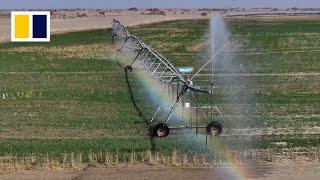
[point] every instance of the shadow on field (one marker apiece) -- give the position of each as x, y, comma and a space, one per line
128, 69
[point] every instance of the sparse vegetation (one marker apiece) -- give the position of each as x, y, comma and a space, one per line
77, 160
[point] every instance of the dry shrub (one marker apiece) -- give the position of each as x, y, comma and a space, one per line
149, 158
133, 9
155, 11
204, 14
102, 13
174, 159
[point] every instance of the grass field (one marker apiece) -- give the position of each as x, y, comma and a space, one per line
70, 95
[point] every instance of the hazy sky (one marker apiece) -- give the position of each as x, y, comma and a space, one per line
19, 4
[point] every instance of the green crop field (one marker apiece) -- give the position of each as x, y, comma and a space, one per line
71, 96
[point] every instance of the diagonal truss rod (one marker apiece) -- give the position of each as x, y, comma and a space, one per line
210, 59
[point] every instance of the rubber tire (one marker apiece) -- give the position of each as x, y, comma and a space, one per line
128, 68
215, 125
161, 127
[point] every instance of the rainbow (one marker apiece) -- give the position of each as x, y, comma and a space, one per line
235, 169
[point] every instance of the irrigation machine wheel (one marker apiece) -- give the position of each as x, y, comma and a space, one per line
161, 130
214, 128
128, 68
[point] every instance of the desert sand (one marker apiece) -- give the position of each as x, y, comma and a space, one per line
80, 24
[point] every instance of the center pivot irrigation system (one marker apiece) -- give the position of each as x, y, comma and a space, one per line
176, 82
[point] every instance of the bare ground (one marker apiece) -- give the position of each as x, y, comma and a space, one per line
263, 171
70, 25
